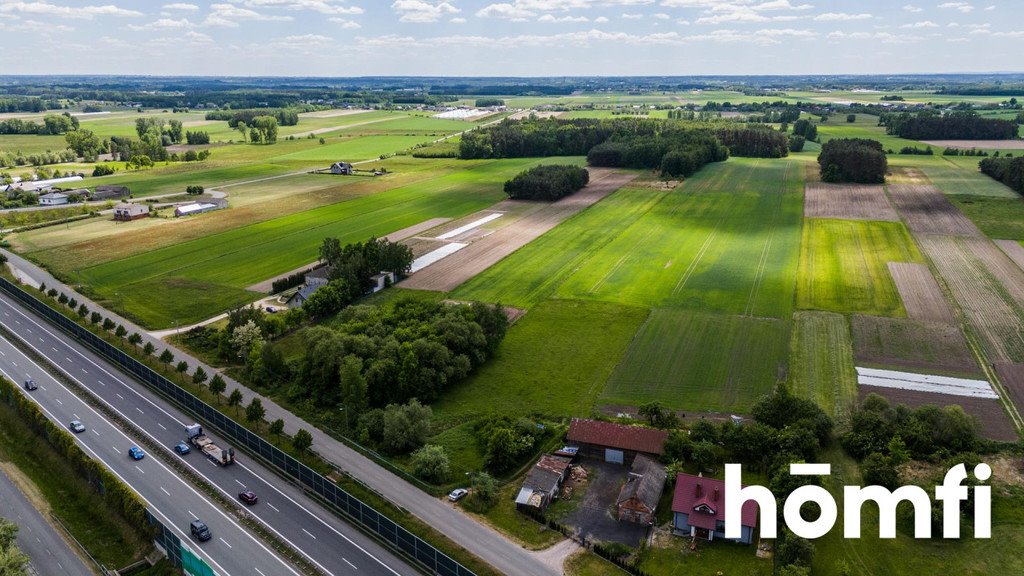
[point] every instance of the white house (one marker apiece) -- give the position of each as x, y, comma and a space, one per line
53, 199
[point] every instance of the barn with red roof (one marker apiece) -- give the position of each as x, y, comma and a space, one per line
613, 442
698, 509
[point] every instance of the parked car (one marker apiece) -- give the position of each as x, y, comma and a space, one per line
271, 310
76, 426
200, 531
30, 385
248, 496
457, 494
182, 448
136, 453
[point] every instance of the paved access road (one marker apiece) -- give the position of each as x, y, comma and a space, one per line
38, 539
335, 547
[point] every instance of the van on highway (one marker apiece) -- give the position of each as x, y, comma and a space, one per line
200, 531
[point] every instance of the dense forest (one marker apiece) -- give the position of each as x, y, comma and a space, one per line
1009, 171
284, 116
549, 182
958, 125
678, 152
856, 160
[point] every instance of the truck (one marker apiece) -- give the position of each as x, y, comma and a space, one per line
204, 444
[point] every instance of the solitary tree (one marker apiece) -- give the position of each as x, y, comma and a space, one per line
255, 412
95, 317
217, 386
82, 311
120, 331
108, 324
135, 339
182, 367
277, 427
235, 399
302, 440
148, 349
166, 357
199, 376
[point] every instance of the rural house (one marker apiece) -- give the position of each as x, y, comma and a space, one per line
53, 199
341, 168
615, 443
698, 509
301, 295
128, 212
543, 482
639, 496
110, 192
313, 280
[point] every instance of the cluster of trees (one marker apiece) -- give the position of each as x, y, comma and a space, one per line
960, 152
351, 269
261, 129
283, 116
857, 160
1009, 171
915, 151
197, 137
489, 102
13, 562
796, 143
806, 128
507, 442
675, 152
36, 159
194, 190
53, 124
753, 141
103, 170
549, 182
956, 125
27, 105
289, 281
883, 437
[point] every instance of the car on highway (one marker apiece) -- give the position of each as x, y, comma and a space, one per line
200, 530
248, 496
457, 494
76, 426
136, 453
182, 448
30, 385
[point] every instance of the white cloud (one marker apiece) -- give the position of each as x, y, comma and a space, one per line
989, 8
321, 6
40, 27
884, 37
422, 11
549, 19
963, 7
600, 20
506, 11
80, 12
198, 37
841, 17
305, 39
345, 22
912, 8
1014, 34
229, 15
924, 24
632, 16
662, 16
164, 24
181, 6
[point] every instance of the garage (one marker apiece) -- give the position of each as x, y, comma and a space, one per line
614, 456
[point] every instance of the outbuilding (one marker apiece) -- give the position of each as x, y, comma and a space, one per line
53, 199
543, 482
128, 212
194, 208
639, 496
698, 510
110, 192
613, 442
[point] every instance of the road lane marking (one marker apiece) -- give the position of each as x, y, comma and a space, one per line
310, 533
193, 515
13, 363
52, 348
165, 491
140, 410
239, 483
225, 542
61, 403
76, 416
68, 359
272, 506
95, 432
119, 396
140, 470
350, 564
258, 570
161, 425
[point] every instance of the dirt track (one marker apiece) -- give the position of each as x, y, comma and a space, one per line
992, 421
450, 272
1012, 377
920, 293
848, 201
926, 210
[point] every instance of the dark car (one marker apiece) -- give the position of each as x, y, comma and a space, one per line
30, 384
76, 426
182, 448
136, 453
248, 496
200, 531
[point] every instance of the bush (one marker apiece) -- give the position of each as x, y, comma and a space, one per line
103, 170
549, 182
431, 464
796, 143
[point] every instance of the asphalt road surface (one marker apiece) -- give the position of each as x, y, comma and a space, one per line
335, 547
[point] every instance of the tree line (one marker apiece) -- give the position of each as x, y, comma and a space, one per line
283, 116
857, 160
1009, 171
957, 125
53, 124
549, 182
678, 152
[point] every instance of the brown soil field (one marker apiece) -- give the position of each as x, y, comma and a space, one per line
1014, 250
920, 293
448, 273
848, 201
968, 144
1012, 377
989, 289
927, 211
992, 421
903, 343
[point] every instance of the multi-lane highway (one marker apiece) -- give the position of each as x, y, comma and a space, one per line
330, 544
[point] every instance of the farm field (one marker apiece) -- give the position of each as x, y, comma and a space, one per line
821, 362
910, 345
848, 202
844, 266
700, 362
222, 264
927, 211
920, 293
997, 218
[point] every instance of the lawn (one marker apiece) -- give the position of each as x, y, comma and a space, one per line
998, 218
30, 144
726, 240
554, 361
585, 563
844, 265
821, 362
955, 175
710, 559
209, 274
700, 362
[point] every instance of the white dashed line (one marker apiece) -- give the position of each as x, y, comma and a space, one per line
272, 506
165, 491
310, 533
350, 564
225, 542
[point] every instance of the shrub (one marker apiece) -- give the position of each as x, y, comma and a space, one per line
431, 464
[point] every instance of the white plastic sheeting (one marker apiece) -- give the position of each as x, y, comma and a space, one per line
925, 383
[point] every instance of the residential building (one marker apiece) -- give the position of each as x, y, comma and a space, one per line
342, 168
698, 510
128, 212
613, 442
53, 199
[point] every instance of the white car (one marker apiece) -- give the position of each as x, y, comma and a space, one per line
76, 427
457, 494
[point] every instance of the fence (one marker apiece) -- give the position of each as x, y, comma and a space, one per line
390, 532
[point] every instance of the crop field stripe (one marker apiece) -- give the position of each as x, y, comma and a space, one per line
821, 362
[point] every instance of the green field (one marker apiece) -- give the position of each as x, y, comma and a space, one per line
998, 218
726, 240
209, 274
844, 265
706, 362
821, 362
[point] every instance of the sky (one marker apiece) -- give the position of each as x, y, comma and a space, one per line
341, 38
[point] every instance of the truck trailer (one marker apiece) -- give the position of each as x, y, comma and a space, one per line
205, 445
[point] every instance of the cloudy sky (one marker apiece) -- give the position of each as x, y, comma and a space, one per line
512, 37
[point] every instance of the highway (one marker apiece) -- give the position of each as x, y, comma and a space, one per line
326, 541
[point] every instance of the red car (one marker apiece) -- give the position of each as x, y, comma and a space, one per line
248, 496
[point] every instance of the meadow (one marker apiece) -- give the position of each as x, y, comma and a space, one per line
821, 362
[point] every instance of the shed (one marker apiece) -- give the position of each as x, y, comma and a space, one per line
382, 281
110, 192
128, 212
341, 168
698, 509
613, 442
53, 199
639, 496
543, 482
194, 208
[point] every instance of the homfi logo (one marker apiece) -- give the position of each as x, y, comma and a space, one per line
951, 492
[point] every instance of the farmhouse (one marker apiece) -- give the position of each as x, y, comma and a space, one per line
301, 295
615, 442
698, 509
341, 168
53, 199
110, 192
318, 276
194, 208
639, 496
128, 212
543, 482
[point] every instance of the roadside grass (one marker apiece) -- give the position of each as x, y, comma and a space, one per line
110, 539
224, 264
584, 563
700, 362
844, 265
998, 218
710, 559
554, 361
821, 363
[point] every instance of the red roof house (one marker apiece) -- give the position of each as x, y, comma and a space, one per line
698, 509
615, 442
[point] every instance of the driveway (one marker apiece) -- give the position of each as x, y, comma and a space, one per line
594, 518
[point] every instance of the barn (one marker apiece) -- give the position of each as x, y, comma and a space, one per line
128, 212
543, 482
698, 510
639, 496
613, 442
